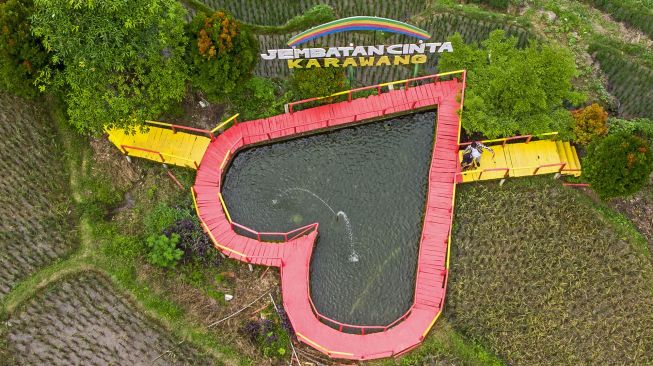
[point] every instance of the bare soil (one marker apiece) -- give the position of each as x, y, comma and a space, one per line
639, 209
83, 320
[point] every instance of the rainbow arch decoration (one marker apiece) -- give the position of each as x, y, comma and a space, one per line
365, 23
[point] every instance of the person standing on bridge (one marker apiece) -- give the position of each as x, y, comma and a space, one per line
472, 155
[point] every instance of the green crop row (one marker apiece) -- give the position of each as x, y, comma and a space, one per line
274, 12
636, 13
629, 80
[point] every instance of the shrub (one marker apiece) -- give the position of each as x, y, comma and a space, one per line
222, 54
618, 165
317, 82
513, 91
590, 123
268, 335
192, 241
22, 55
163, 251
122, 61
639, 126
257, 98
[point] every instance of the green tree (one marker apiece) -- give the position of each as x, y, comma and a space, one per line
222, 54
163, 251
510, 90
618, 165
22, 55
122, 60
317, 82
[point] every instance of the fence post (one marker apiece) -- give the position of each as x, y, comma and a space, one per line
406, 87
174, 130
378, 90
349, 96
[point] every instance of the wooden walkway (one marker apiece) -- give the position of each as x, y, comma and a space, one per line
162, 142
525, 159
294, 255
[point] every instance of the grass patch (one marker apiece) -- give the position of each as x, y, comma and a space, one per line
445, 346
541, 277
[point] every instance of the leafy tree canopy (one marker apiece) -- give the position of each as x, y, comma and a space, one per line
618, 165
513, 91
22, 55
122, 59
222, 53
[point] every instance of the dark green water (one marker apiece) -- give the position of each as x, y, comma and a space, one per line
376, 175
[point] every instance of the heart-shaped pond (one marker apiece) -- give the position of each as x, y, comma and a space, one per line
366, 186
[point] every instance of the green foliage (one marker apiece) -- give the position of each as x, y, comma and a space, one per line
639, 126
317, 82
590, 123
162, 216
163, 251
316, 15
618, 165
122, 61
496, 4
222, 54
636, 13
257, 98
22, 55
510, 90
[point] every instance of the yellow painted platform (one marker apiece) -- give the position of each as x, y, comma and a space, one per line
525, 159
163, 145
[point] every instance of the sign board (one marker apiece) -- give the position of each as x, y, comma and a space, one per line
355, 55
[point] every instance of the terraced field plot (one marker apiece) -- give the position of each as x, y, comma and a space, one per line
274, 12
82, 320
34, 202
541, 278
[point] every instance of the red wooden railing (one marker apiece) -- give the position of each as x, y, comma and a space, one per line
126, 148
287, 236
349, 93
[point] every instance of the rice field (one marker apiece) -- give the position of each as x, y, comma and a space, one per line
83, 320
629, 80
274, 12
541, 278
35, 206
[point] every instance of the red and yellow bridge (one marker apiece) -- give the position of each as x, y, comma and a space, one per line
210, 155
